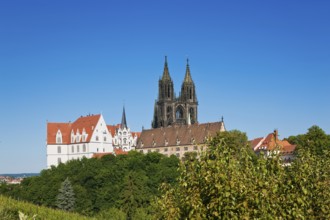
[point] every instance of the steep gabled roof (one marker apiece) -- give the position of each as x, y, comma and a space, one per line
271, 142
113, 129
178, 135
88, 123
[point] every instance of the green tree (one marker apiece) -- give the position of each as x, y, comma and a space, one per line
227, 182
66, 198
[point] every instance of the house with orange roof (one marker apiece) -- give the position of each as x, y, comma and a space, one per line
271, 144
82, 138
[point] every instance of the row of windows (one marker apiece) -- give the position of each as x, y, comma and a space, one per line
59, 149
166, 149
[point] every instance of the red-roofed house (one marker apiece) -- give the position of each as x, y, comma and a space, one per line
82, 138
271, 144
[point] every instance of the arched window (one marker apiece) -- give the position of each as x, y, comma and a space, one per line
179, 113
192, 115
125, 140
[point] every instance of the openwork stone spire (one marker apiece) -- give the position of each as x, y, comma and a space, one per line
166, 73
187, 77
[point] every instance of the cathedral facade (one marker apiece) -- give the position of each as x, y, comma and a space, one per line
172, 110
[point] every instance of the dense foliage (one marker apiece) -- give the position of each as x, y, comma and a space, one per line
124, 184
228, 182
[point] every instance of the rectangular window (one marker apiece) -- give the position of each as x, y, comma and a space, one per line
84, 148
59, 149
78, 149
177, 149
185, 148
72, 149
165, 149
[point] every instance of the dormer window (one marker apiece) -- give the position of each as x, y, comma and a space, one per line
83, 138
58, 137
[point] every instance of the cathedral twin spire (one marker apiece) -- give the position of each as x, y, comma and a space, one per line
170, 109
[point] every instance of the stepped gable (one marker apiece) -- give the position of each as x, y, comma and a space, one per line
178, 135
88, 123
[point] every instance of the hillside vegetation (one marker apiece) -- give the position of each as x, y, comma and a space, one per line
9, 210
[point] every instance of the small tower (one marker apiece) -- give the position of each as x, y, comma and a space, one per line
123, 120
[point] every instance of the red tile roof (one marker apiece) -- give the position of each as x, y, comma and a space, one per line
270, 142
113, 129
88, 123
185, 134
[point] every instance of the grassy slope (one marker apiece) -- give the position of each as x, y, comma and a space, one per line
9, 210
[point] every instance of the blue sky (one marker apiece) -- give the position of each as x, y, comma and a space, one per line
261, 64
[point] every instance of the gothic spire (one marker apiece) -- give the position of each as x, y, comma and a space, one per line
166, 73
187, 77
123, 120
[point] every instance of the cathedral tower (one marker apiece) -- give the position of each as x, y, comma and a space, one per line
171, 110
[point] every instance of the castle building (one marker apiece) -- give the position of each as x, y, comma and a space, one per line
88, 137
178, 139
172, 110
82, 138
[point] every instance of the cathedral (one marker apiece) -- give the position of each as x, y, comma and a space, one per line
172, 110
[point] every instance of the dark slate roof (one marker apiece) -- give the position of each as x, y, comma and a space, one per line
178, 135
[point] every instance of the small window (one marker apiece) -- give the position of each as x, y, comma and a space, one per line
59, 140
72, 149
125, 140
97, 138
72, 139
59, 149
166, 149
83, 138
105, 138
185, 148
59, 160
124, 133
103, 150
77, 139
78, 149
97, 150
177, 149
195, 148
84, 148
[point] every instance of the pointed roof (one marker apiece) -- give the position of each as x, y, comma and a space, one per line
88, 123
166, 73
187, 77
123, 120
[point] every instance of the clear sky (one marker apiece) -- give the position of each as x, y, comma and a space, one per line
261, 64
